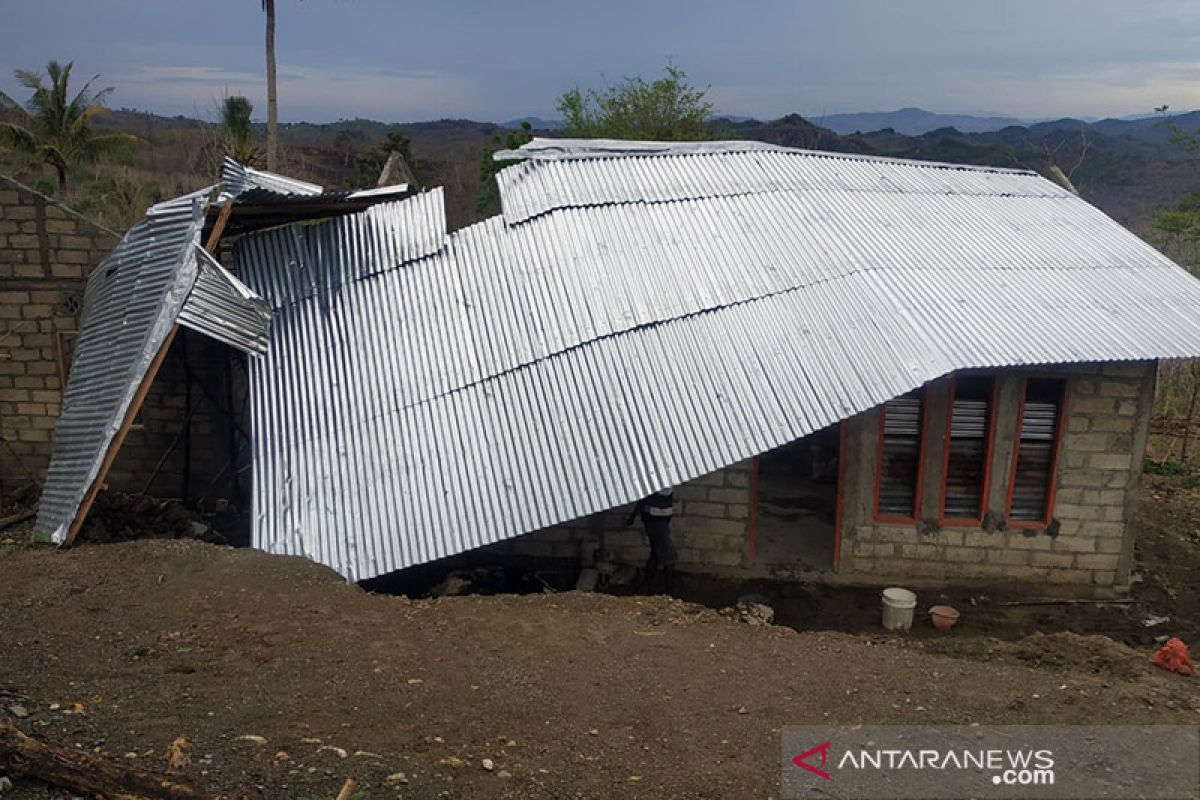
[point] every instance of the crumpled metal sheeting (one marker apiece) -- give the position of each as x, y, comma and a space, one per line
237, 178
498, 298
368, 490
226, 309
130, 304
291, 263
537, 186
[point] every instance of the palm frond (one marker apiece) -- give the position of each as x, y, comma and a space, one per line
16, 137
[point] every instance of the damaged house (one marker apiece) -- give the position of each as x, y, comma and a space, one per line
853, 368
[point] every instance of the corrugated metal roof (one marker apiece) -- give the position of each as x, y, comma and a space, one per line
237, 179
291, 263
157, 275
130, 305
635, 321
569, 173
224, 308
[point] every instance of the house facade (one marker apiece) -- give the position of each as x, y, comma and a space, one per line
1025, 476
857, 368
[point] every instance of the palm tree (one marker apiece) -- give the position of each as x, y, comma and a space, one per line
272, 104
235, 121
58, 130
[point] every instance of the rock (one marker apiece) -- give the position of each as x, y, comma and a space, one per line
488, 764
753, 612
451, 761
397, 777
252, 738
6, 785
455, 583
18, 711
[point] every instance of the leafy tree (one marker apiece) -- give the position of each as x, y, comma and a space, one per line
488, 201
237, 129
58, 128
1181, 224
371, 163
665, 109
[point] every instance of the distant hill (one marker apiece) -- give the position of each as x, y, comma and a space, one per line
538, 123
1131, 168
913, 122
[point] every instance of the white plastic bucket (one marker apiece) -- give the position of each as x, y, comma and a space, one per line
898, 605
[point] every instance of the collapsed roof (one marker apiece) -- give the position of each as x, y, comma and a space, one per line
641, 314
158, 277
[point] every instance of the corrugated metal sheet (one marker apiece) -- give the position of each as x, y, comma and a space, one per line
224, 308
568, 173
157, 276
237, 179
129, 307
291, 263
622, 335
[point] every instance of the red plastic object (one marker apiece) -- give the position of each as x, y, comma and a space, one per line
1174, 656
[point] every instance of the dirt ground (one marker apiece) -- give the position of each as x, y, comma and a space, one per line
286, 680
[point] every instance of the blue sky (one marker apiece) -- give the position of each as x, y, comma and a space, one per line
409, 60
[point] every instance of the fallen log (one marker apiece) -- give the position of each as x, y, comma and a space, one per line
19, 516
82, 773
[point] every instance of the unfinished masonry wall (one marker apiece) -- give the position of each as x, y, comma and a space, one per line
709, 528
1107, 417
47, 252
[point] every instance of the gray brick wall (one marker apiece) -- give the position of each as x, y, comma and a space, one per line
46, 253
709, 529
1107, 416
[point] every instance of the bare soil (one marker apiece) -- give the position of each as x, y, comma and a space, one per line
285, 679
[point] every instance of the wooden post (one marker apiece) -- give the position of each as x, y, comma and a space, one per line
135, 405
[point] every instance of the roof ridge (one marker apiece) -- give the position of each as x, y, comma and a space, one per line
546, 149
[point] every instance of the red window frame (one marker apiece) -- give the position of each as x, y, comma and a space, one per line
920, 484
989, 453
1056, 450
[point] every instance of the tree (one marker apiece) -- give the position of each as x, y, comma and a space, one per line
272, 100
1181, 224
666, 109
58, 128
237, 129
394, 152
488, 201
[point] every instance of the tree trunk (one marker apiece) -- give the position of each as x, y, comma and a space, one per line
61, 169
83, 773
272, 100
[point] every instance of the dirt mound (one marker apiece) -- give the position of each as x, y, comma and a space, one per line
286, 678
1064, 650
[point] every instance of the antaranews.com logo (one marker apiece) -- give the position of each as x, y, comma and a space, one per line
1003, 761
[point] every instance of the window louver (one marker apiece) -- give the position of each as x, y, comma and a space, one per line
1033, 473
968, 448
900, 457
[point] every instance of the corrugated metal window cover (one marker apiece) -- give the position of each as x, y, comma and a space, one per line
1034, 470
900, 455
967, 447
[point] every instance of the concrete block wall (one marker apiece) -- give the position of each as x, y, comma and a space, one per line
47, 252
709, 528
1089, 542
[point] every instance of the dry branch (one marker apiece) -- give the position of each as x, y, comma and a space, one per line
82, 773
